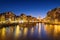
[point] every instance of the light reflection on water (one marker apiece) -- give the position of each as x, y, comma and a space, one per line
32, 31
25, 31
38, 32
3, 32
17, 31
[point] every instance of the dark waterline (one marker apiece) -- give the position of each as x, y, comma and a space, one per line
31, 32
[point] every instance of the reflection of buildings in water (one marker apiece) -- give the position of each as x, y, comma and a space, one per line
9, 30
56, 30
3, 31
45, 26
39, 28
32, 31
21, 28
52, 30
49, 29
37, 24
17, 31
25, 31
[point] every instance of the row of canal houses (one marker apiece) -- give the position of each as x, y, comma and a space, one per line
53, 16
10, 17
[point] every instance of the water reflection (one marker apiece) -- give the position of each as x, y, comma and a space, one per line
3, 32
17, 31
53, 31
25, 31
33, 32
39, 28
57, 31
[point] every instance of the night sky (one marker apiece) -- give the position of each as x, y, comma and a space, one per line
35, 8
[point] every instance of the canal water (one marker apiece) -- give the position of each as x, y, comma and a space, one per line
35, 32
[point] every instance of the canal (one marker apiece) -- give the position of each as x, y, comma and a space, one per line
31, 32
